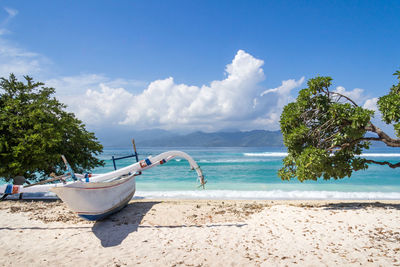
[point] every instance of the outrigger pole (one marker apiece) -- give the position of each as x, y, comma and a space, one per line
125, 157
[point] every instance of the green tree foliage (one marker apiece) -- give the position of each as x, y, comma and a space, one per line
325, 132
35, 130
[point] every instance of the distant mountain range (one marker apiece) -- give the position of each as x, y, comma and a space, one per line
162, 138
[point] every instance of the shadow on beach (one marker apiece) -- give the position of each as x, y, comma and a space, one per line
43, 228
360, 205
195, 225
126, 221
114, 229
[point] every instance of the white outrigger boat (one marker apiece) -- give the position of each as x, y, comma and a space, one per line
96, 196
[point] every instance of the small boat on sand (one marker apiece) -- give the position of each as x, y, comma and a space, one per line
85, 201
96, 196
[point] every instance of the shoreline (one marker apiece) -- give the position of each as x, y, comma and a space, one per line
165, 232
303, 195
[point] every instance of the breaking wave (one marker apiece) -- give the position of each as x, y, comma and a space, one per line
388, 155
284, 154
266, 154
249, 195
272, 195
241, 160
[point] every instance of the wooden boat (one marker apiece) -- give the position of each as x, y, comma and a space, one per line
94, 197
85, 200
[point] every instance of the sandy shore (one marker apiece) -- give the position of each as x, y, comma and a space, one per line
203, 233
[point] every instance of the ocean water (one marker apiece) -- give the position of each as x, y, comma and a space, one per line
251, 173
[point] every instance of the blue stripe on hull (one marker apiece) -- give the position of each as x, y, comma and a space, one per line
97, 217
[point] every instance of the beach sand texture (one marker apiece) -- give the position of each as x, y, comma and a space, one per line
203, 233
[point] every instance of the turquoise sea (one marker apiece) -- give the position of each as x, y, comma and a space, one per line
251, 173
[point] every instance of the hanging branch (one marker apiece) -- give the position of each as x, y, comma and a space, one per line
384, 137
346, 97
391, 165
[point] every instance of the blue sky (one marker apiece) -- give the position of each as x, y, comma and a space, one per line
198, 65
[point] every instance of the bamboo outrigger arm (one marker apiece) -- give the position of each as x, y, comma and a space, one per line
142, 165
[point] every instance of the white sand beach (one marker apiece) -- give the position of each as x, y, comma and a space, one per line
204, 233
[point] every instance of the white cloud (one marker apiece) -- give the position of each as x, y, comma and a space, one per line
78, 84
274, 100
95, 98
17, 60
357, 94
102, 107
371, 104
165, 103
234, 102
283, 91
20, 61
74, 85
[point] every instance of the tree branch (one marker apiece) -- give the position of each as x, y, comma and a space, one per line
348, 98
391, 165
384, 137
343, 146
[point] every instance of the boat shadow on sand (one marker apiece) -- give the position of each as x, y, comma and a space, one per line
114, 229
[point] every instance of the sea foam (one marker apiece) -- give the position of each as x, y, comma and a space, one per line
269, 195
389, 155
284, 154
239, 160
249, 195
266, 154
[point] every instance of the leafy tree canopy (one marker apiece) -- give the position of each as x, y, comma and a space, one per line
35, 130
325, 132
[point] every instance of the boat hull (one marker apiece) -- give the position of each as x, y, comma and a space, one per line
96, 201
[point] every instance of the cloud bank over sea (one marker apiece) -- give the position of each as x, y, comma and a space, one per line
238, 101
